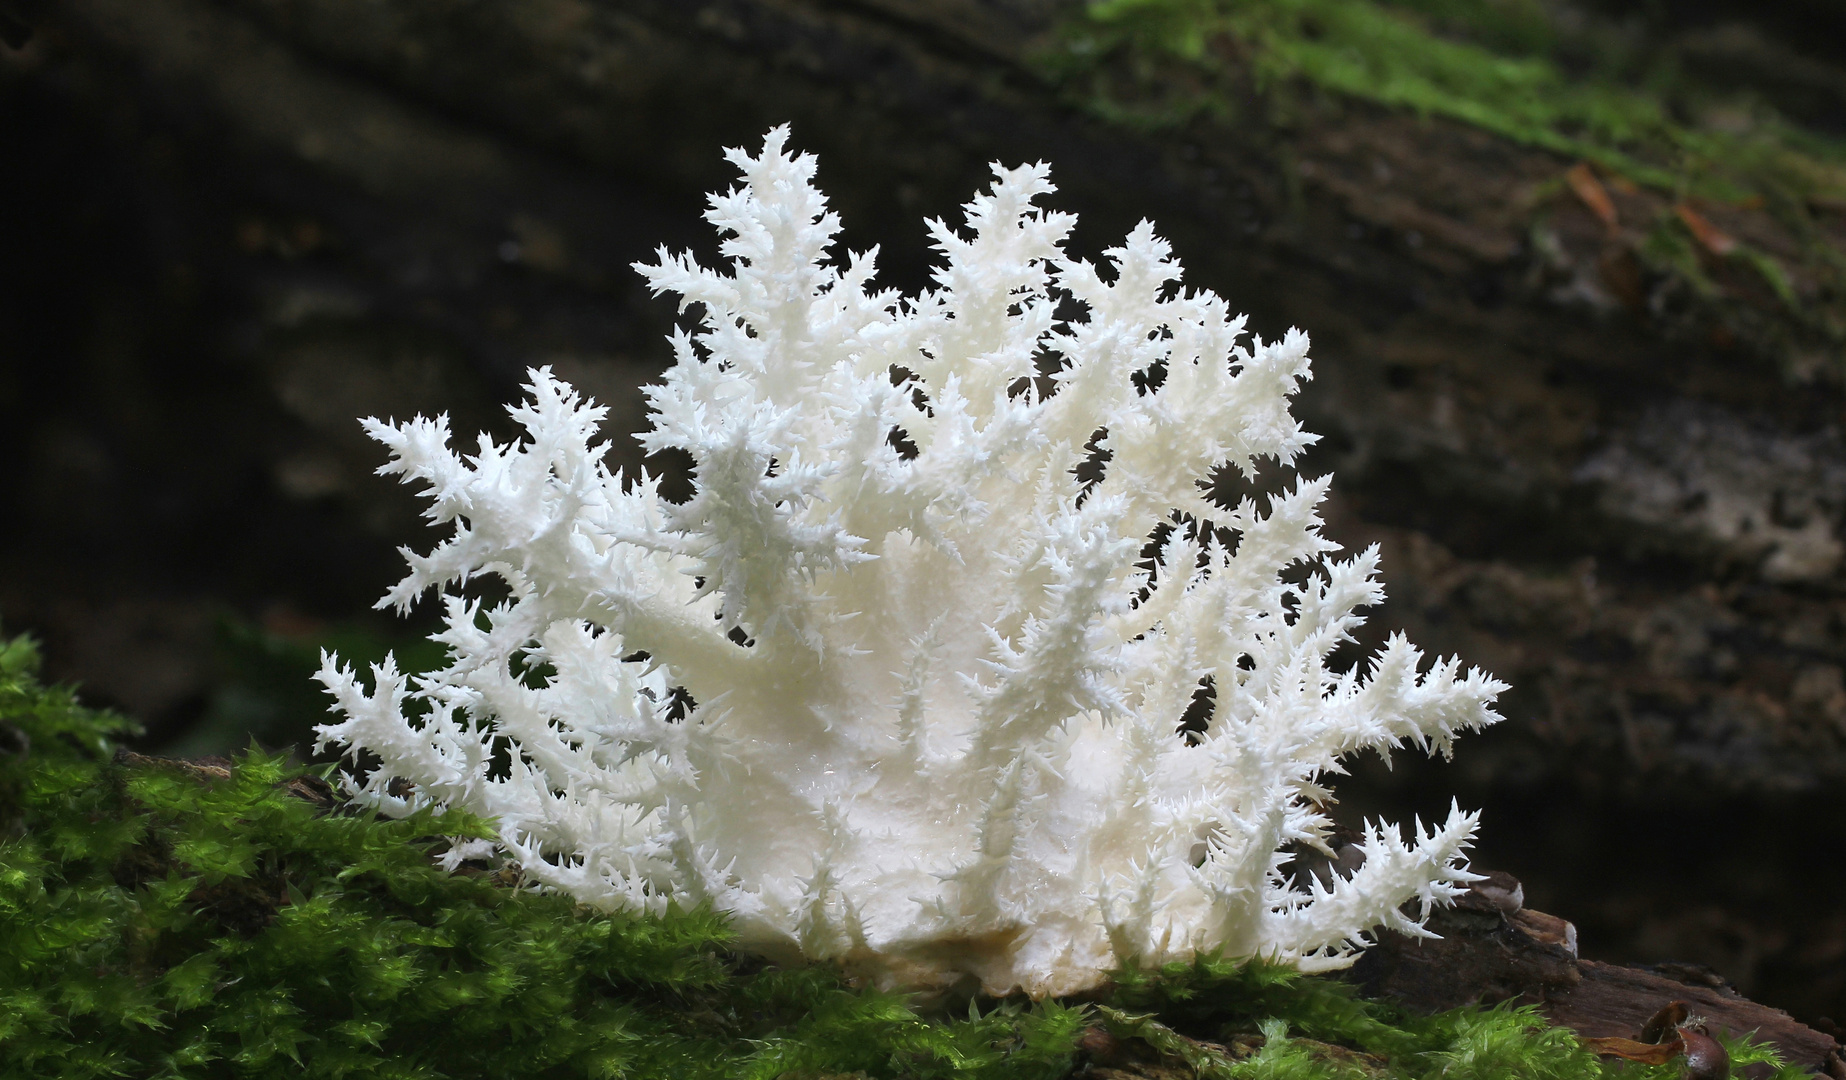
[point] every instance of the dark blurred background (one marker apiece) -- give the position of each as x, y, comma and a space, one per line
1580, 377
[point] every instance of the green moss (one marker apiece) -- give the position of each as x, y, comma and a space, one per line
1668, 248
1500, 65
1299, 1017
161, 919
1494, 65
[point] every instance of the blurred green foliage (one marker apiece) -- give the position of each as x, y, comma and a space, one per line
1503, 65
1641, 109
266, 692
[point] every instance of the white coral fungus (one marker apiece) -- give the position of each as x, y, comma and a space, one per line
897, 687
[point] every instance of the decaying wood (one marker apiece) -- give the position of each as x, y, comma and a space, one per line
1492, 951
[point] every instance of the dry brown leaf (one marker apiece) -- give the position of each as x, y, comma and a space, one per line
1709, 236
1583, 182
1665, 1022
1628, 1049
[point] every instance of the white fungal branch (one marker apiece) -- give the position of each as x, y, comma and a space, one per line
896, 686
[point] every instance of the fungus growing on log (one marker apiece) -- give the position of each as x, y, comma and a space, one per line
912, 682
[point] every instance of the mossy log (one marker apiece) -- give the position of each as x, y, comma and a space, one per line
238, 918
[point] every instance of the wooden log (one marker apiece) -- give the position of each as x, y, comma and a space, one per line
1492, 949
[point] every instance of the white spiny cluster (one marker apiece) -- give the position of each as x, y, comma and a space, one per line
897, 687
